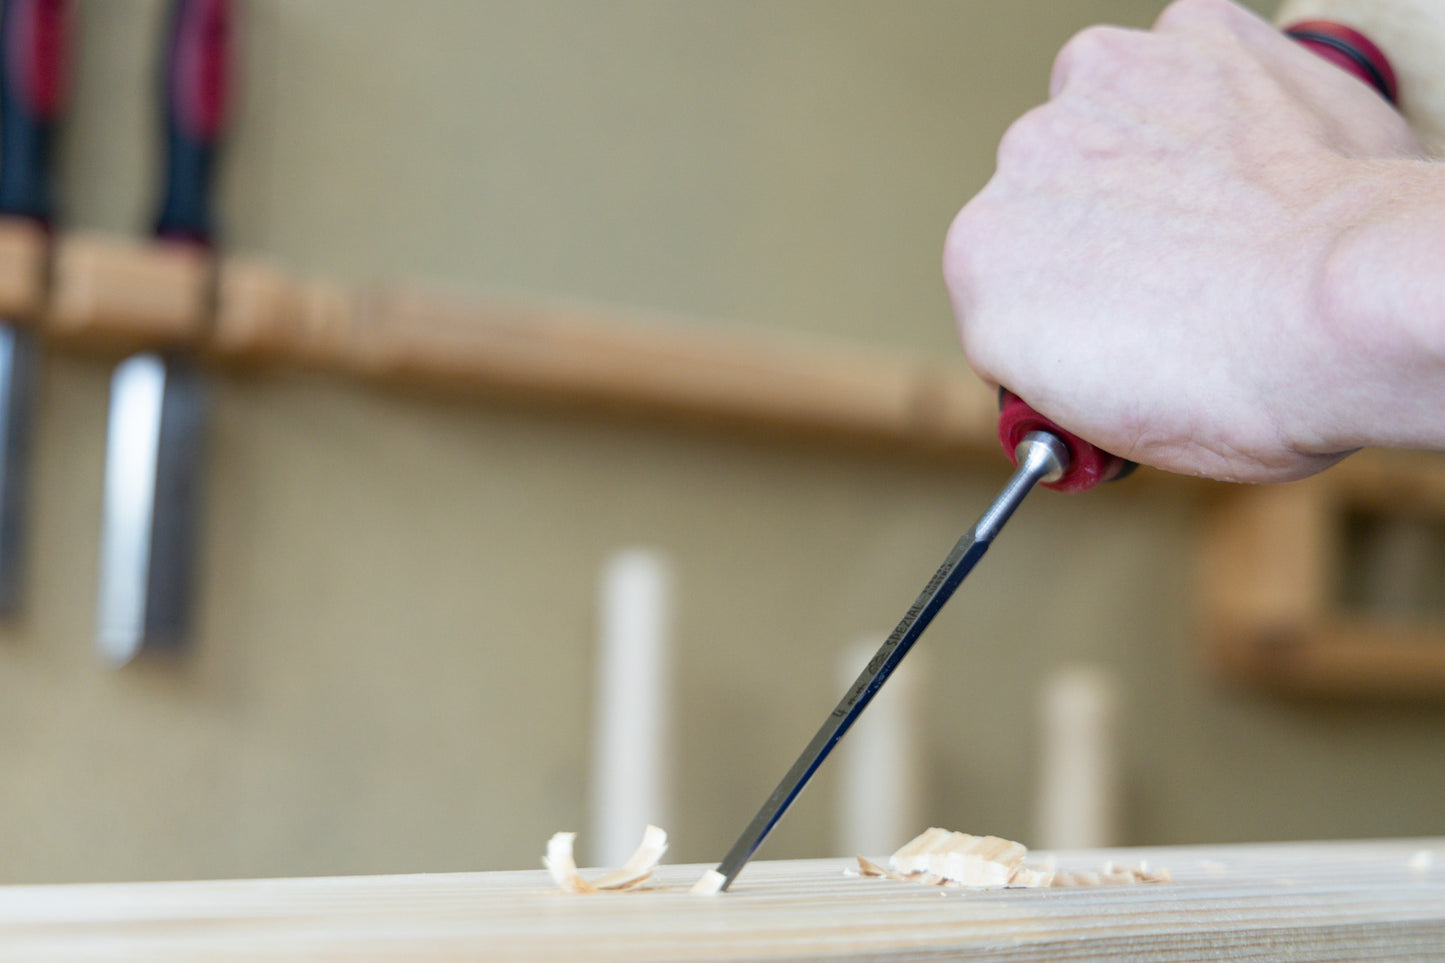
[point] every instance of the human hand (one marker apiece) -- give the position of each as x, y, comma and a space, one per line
1148, 266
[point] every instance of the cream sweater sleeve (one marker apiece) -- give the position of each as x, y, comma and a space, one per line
1412, 35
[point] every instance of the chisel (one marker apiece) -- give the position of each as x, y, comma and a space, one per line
151, 500
32, 65
1043, 453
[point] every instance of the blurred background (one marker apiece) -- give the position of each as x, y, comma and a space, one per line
394, 665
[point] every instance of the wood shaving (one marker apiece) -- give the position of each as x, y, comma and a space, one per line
563, 867
636, 871
938, 857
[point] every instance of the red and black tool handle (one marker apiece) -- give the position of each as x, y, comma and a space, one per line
195, 74
1089, 465
33, 37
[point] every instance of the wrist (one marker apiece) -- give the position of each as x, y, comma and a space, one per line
1381, 300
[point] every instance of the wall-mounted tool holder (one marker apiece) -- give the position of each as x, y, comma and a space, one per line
114, 294
1331, 586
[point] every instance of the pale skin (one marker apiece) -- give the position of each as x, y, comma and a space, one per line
1210, 252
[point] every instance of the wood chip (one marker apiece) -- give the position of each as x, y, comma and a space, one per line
938, 857
912, 856
710, 883
1026, 878
869, 868
945, 858
634, 872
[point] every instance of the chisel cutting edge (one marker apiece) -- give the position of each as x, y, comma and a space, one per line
1044, 454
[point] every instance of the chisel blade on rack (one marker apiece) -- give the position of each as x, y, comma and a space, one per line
32, 77
154, 441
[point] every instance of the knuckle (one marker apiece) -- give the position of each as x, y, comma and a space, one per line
1026, 139
1090, 44
965, 273
979, 349
967, 270
960, 244
1090, 56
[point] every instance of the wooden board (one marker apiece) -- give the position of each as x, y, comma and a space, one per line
1317, 901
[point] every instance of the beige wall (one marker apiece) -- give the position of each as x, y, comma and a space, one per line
394, 657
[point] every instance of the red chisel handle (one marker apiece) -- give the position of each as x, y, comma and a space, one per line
1089, 465
1348, 49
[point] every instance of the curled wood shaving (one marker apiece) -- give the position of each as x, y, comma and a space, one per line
634, 872
938, 857
563, 867
640, 865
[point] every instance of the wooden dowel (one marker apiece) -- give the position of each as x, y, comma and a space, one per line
632, 717
880, 767
1078, 804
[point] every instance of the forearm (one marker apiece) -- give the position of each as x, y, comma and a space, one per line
1383, 297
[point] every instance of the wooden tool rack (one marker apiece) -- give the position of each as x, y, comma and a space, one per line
114, 294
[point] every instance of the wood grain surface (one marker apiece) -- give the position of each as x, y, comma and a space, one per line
1315, 901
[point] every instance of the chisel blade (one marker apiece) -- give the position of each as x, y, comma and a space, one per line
19, 357
151, 506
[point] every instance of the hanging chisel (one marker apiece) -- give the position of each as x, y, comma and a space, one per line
153, 454
1043, 453
32, 78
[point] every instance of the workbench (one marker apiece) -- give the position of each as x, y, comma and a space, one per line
1316, 901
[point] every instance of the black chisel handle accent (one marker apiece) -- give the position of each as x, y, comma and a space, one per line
194, 88
32, 80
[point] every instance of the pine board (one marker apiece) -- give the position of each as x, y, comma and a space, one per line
1316, 901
